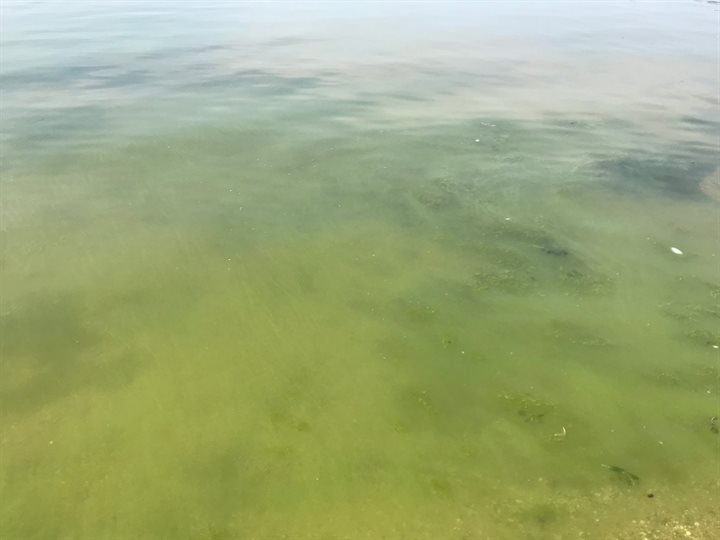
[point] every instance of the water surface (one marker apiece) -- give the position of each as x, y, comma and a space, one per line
344, 271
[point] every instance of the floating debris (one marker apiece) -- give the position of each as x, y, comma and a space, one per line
624, 475
676, 251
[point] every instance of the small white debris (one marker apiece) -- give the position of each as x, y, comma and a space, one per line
51, 442
507, 219
477, 140
676, 251
716, 346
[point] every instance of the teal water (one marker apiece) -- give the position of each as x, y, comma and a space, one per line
359, 270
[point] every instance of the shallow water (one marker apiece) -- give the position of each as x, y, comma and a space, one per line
324, 271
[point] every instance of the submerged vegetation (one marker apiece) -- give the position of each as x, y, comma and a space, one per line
438, 346
673, 176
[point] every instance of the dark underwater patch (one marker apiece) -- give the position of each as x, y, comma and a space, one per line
668, 176
45, 351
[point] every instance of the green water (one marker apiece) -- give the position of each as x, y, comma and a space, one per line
359, 271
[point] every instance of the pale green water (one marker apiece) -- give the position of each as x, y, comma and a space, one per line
359, 271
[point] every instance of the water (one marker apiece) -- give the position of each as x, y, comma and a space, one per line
344, 271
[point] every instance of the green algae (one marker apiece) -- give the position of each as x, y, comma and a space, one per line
566, 332
301, 318
703, 337
286, 345
529, 408
505, 280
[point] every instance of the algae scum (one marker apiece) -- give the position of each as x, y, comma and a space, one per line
289, 284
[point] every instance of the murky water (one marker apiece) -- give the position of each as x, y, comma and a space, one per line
343, 271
